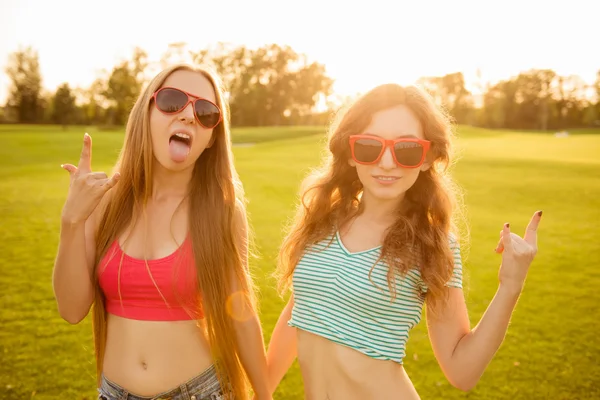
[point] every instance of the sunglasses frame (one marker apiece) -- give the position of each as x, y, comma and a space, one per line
192, 98
385, 143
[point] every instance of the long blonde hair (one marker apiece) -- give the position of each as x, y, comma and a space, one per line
331, 195
214, 193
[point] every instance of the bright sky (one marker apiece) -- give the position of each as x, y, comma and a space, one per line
373, 42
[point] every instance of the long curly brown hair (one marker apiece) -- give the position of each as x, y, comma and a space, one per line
427, 218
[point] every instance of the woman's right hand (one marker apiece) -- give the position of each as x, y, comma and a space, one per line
86, 188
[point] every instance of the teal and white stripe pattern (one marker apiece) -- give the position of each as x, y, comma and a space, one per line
335, 299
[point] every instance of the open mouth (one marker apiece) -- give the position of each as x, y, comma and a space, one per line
180, 144
182, 137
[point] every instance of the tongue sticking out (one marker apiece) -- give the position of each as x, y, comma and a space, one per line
178, 150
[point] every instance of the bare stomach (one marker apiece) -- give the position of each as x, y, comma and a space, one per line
151, 357
334, 372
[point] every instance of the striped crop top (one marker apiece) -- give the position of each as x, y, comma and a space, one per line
334, 298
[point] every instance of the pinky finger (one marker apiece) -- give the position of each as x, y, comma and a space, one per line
110, 183
70, 168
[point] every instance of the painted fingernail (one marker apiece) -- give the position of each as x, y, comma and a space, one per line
540, 213
507, 225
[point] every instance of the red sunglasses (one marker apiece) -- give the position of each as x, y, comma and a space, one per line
408, 152
170, 100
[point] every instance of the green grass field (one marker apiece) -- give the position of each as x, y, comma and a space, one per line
552, 347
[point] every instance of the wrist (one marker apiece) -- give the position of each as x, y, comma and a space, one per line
512, 289
69, 223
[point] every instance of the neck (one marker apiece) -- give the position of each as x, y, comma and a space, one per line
167, 183
379, 211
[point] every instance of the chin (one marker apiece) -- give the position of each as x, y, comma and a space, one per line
386, 193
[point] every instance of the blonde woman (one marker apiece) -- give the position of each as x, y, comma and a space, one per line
159, 250
373, 242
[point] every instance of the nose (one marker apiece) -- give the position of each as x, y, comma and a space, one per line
187, 114
387, 160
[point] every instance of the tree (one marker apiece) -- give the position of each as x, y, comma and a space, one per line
533, 96
24, 100
594, 115
93, 104
124, 86
268, 84
499, 105
63, 105
570, 104
597, 87
449, 92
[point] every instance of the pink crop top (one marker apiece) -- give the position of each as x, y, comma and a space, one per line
163, 289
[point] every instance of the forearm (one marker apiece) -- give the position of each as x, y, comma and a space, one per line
282, 350
252, 355
71, 280
476, 349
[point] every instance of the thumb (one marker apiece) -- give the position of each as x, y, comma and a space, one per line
506, 238
69, 168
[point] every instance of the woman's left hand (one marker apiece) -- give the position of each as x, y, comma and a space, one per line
517, 253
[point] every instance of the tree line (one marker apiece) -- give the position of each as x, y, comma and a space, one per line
274, 85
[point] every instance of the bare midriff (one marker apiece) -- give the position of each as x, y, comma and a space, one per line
335, 372
151, 357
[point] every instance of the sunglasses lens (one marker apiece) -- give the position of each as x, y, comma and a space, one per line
408, 153
367, 150
171, 100
208, 114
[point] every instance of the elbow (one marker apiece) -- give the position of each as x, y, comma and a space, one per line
465, 387
463, 383
71, 318
72, 315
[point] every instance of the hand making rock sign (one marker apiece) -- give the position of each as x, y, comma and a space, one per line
86, 188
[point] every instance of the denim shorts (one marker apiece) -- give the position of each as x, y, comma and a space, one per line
202, 387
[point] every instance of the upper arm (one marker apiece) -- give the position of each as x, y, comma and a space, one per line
450, 323
456, 280
448, 327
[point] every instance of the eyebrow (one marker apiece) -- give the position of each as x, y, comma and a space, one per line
396, 137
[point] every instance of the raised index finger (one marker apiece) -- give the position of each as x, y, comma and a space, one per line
85, 161
531, 231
